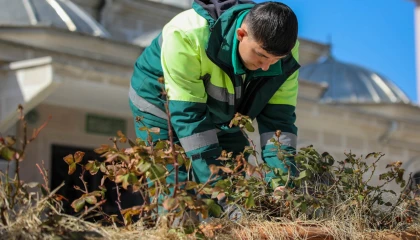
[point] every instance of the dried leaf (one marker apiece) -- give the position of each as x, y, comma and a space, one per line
226, 169
154, 130
103, 149
214, 169
78, 156
10, 141
123, 138
69, 159
89, 165
170, 204
250, 169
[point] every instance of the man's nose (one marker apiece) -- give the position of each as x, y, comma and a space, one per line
265, 65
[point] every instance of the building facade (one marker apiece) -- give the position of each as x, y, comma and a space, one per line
73, 60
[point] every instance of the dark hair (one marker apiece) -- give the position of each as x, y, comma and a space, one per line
274, 25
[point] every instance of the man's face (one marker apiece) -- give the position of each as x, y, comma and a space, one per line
253, 56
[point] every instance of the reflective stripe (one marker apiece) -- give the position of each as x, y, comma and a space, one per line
288, 139
199, 140
220, 94
238, 91
144, 106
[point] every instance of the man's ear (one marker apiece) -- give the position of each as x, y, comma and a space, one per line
241, 33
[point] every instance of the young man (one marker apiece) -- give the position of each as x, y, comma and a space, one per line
217, 59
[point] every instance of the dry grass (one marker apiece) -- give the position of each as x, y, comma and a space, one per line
33, 223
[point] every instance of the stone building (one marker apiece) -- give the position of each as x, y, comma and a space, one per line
73, 60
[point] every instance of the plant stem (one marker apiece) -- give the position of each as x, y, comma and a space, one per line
174, 153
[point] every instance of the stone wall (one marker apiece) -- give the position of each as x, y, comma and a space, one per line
67, 127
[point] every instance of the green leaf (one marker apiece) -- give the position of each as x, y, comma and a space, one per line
180, 159
7, 153
249, 202
302, 175
213, 208
190, 185
91, 199
144, 166
156, 172
78, 204
249, 127
160, 145
303, 207
207, 190
132, 178
223, 184
72, 168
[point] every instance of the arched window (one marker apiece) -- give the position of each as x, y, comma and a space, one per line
416, 183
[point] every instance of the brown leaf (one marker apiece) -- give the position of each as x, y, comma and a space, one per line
89, 165
394, 164
10, 141
226, 169
69, 159
104, 148
214, 169
111, 157
154, 130
170, 204
78, 156
123, 138
250, 169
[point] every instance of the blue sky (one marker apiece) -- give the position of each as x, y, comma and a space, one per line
378, 35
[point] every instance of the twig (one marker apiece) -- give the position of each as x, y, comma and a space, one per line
118, 192
251, 142
174, 153
374, 167
43, 175
83, 181
92, 208
38, 130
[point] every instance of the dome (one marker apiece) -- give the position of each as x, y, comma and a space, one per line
177, 3
348, 83
58, 13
